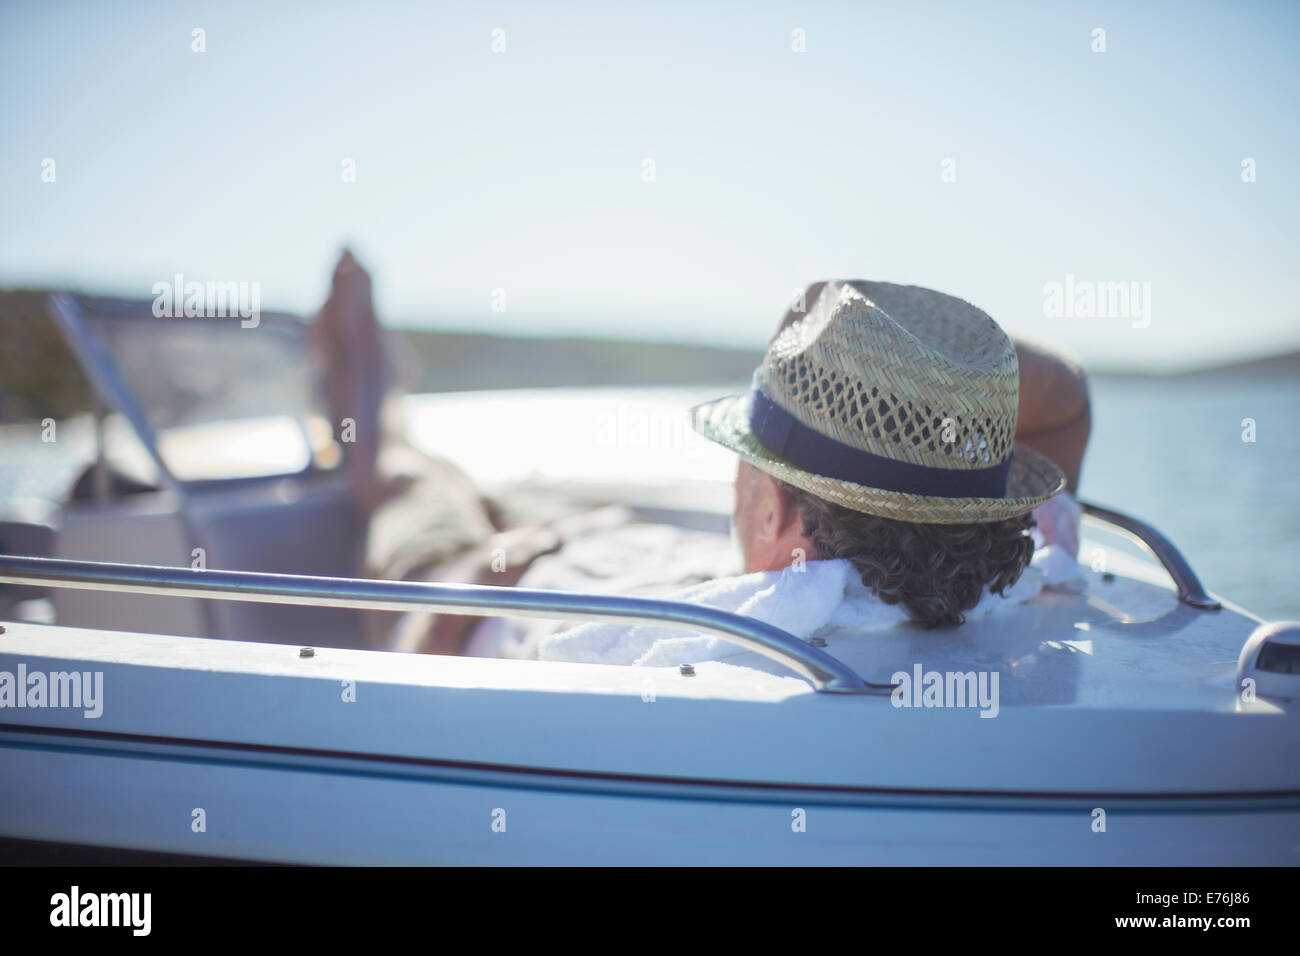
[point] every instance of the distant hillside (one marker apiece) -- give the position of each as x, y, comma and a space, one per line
38, 377
458, 361
1270, 366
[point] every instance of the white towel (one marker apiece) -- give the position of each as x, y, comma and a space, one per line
822, 597
1058, 523
816, 598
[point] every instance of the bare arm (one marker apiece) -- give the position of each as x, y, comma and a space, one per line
1055, 413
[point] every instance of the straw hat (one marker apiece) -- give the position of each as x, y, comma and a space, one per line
893, 400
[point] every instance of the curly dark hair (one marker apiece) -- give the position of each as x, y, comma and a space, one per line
936, 571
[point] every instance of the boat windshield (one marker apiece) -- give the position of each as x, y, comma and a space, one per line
221, 400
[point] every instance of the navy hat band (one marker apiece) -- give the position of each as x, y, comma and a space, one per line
784, 435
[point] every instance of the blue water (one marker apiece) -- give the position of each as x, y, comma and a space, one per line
1171, 452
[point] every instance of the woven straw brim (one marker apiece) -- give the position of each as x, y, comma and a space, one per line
1033, 478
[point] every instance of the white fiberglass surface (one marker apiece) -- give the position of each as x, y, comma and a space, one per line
588, 434
724, 723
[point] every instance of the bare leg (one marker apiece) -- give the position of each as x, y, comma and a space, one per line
426, 519
358, 376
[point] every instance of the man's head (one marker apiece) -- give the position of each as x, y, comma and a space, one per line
882, 434
767, 522
935, 571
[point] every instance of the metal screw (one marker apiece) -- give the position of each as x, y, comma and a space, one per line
306, 652
688, 670
817, 641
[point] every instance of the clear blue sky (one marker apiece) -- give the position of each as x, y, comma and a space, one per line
523, 170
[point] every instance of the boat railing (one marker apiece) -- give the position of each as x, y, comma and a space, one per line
825, 673
1186, 582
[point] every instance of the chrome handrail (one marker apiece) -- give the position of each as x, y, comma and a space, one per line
1189, 587
825, 673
